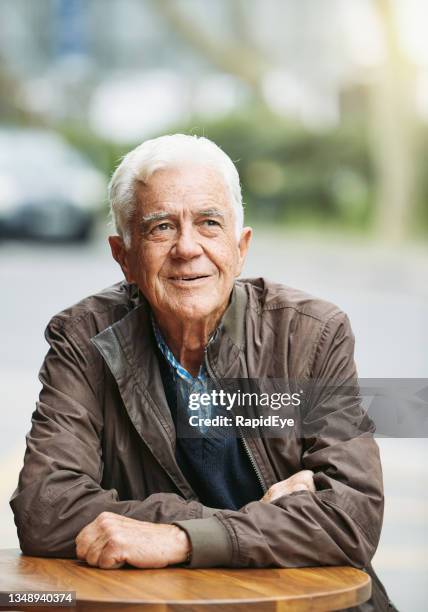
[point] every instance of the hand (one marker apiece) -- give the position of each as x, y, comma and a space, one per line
112, 540
301, 481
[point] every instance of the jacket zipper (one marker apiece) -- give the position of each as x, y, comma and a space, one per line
244, 441
253, 462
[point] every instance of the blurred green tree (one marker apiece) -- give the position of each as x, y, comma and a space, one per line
391, 119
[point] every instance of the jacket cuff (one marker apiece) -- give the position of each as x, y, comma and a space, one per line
211, 545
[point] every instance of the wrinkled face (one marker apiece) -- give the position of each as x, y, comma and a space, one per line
184, 253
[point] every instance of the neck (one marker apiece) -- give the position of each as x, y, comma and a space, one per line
187, 339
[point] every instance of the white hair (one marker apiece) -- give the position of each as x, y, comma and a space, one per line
163, 152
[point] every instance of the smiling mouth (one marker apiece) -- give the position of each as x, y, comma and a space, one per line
188, 277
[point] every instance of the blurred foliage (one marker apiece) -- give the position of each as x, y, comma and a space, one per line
288, 173
293, 175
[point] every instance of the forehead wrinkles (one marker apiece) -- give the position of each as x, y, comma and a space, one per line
174, 196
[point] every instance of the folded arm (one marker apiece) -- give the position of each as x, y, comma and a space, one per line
59, 489
111, 540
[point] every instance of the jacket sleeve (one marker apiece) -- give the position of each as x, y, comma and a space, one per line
59, 490
340, 523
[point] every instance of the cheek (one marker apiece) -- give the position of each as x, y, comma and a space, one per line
226, 257
143, 268
152, 258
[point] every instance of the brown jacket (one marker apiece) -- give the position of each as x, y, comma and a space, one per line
102, 436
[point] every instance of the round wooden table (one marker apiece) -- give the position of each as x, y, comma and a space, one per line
184, 590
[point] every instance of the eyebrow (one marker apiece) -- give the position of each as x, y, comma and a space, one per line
210, 212
156, 216
159, 216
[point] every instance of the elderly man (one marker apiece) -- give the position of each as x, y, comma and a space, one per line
106, 476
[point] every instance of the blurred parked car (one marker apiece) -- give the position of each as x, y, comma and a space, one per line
48, 190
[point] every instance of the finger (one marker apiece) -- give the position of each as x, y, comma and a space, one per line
302, 476
277, 490
307, 477
110, 557
85, 538
311, 485
299, 487
94, 550
268, 495
281, 492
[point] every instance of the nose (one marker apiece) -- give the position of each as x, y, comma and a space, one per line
187, 245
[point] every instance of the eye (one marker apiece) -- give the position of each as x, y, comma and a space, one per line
211, 222
161, 228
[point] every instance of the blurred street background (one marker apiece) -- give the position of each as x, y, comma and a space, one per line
323, 104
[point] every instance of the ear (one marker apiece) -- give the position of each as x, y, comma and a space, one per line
121, 255
243, 246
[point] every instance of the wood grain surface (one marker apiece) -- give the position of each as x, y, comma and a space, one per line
185, 590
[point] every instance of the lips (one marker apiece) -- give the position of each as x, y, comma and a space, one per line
188, 277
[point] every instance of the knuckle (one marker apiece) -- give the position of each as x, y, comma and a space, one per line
300, 487
104, 525
104, 520
114, 542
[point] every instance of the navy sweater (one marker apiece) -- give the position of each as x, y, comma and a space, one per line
217, 465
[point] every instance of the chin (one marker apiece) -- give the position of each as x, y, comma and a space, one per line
195, 308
